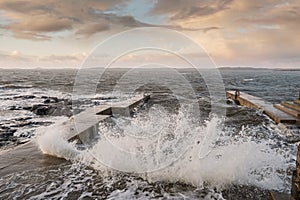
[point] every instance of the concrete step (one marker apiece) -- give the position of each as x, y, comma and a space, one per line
287, 110
258, 103
291, 105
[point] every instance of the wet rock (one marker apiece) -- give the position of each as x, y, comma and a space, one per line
41, 109
6, 132
241, 192
16, 108
52, 109
23, 141
22, 124
7, 136
2, 143
27, 108
51, 100
104, 98
25, 97
23, 118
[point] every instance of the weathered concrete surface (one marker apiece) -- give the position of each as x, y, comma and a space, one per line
291, 105
83, 126
258, 103
124, 108
289, 111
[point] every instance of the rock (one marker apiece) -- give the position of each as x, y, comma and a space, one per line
23, 118
7, 135
53, 109
25, 97
15, 108
42, 110
52, 100
52, 106
3, 143
23, 141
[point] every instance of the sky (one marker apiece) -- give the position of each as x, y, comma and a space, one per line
237, 33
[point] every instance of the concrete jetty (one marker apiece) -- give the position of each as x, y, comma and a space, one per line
273, 111
287, 116
83, 126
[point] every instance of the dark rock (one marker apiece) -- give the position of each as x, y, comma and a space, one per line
241, 192
15, 108
23, 118
229, 101
52, 100
7, 134
27, 108
22, 141
105, 98
23, 124
53, 109
42, 110
25, 97
52, 106
3, 143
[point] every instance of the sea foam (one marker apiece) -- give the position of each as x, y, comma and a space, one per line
206, 154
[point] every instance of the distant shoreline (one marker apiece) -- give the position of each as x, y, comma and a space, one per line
258, 68
220, 68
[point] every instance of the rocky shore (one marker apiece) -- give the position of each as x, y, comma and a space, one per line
20, 127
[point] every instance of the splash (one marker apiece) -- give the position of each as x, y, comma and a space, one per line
51, 141
161, 146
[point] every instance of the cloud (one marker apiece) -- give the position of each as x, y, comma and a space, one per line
182, 9
230, 30
36, 20
13, 56
93, 28
251, 31
16, 59
39, 20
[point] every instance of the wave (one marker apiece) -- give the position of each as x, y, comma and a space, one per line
15, 86
248, 79
172, 147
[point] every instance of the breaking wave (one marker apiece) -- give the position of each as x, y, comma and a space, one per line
174, 147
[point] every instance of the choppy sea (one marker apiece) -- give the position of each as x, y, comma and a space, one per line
249, 157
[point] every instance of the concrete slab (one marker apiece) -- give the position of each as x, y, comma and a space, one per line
84, 126
258, 103
291, 105
289, 111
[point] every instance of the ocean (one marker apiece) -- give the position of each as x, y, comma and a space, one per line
248, 157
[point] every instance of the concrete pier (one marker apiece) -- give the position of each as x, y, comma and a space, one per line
83, 126
287, 116
273, 111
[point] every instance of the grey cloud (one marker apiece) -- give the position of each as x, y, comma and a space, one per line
93, 28
182, 9
36, 19
61, 58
